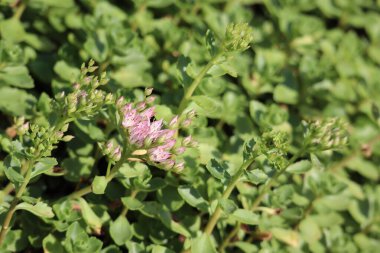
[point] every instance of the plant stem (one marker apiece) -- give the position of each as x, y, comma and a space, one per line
109, 177
108, 168
125, 209
226, 194
193, 86
257, 201
12, 208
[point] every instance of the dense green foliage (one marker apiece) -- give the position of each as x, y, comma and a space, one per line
287, 125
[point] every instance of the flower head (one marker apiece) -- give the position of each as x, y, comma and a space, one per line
146, 134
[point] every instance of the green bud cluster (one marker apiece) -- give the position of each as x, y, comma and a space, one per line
237, 37
320, 135
274, 145
112, 151
86, 99
44, 139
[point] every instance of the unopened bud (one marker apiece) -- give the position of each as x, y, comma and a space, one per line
180, 150
168, 164
140, 152
148, 91
65, 128
141, 106
174, 122
186, 141
109, 98
179, 167
149, 100
186, 123
191, 114
59, 134
120, 102
67, 138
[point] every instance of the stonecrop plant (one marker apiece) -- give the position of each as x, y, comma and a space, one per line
189, 126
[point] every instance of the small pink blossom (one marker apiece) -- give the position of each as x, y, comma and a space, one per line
158, 154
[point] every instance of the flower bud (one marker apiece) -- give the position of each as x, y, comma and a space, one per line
148, 91
65, 128
237, 37
59, 134
117, 154
140, 152
23, 128
141, 106
174, 122
67, 138
109, 98
168, 164
76, 86
186, 123
191, 114
180, 150
179, 167
186, 141
120, 102
149, 100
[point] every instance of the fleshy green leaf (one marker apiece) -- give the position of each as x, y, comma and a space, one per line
299, 167
40, 209
121, 230
99, 184
193, 197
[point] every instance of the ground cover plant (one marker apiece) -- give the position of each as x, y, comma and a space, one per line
189, 126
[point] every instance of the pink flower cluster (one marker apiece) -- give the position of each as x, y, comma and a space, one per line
146, 134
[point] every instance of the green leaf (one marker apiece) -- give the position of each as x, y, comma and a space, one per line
132, 203
89, 216
17, 76
228, 206
12, 169
77, 240
12, 30
248, 152
287, 236
52, 244
246, 217
43, 165
202, 243
256, 176
161, 249
217, 169
182, 65
16, 102
99, 184
299, 167
285, 94
40, 209
211, 43
121, 230
208, 106
193, 197
310, 230
167, 220
170, 198
66, 72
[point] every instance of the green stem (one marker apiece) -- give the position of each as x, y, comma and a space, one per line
12, 208
125, 209
19, 11
194, 85
226, 194
109, 177
108, 168
257, 201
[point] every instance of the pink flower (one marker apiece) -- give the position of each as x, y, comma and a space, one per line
158, 154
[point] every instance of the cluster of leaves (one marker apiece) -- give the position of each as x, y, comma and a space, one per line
273, 169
